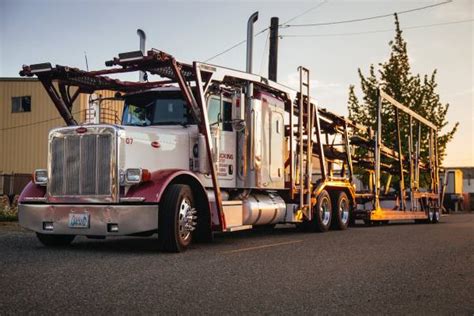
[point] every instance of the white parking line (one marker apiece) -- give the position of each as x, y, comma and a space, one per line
263, 246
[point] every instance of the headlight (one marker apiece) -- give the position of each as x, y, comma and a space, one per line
40, 177
133, 176
136, 175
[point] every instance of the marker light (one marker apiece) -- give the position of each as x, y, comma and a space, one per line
40, 177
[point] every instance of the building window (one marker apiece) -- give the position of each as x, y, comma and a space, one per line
21, 104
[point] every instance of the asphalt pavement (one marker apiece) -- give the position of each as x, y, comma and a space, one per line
393, 269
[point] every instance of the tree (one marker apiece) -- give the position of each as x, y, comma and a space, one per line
414, 91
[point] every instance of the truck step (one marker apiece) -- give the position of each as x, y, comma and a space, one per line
237, 228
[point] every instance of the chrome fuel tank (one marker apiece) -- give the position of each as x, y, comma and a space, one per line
263, 209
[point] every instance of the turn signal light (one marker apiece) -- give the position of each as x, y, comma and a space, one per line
146, 175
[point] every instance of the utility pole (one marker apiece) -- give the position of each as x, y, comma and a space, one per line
273, 52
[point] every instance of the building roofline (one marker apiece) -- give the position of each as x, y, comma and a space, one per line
18, 79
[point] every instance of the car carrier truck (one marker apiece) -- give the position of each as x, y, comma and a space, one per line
207, 149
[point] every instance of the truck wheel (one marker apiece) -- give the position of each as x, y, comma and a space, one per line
55, 240
176, 219
436, 215
322, 212
341, 211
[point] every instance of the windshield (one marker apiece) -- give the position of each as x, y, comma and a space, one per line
156, 108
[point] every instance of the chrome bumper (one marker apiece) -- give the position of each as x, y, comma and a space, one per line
130, 219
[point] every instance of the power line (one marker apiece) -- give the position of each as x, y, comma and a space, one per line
305, 12
35, 123
375, 31
48, 120
233, 46
369, 18
262, 31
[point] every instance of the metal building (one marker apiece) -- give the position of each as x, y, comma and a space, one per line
26, 116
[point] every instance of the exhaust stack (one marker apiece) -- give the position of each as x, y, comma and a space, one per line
142, 36
248, 172
252, 19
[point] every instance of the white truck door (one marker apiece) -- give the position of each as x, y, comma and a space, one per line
223, 139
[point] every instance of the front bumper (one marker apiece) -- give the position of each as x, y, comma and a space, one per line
130, 219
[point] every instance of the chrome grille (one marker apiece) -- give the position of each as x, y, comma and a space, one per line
82, 165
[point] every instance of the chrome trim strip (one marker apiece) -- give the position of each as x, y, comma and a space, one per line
132, 199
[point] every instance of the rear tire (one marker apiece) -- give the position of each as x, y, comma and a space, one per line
341, 211
436, 215
56, 241
176, 219
322, 213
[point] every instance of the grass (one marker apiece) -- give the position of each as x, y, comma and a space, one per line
8, 213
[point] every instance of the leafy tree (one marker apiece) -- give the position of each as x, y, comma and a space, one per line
413, 90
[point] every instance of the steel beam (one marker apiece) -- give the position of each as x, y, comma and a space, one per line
406, 110
205, 130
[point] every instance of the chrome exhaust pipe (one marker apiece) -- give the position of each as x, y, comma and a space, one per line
252, 19
142, 36
248, 134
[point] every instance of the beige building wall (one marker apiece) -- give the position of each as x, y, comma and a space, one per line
24, 135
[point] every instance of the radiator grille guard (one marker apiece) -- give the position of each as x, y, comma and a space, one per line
83, 166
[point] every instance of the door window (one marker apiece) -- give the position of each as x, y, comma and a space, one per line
214, 111
218, 115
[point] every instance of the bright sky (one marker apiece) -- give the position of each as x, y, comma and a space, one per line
33, 31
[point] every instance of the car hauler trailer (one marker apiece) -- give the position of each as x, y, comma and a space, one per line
209, 149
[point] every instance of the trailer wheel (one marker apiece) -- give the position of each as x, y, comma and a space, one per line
322, 212
176, 219
436, 215
341, 211
55, 240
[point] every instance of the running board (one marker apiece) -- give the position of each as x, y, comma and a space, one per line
237, 228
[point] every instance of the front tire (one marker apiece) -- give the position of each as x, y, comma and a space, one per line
176, 219
56, 241
341, 211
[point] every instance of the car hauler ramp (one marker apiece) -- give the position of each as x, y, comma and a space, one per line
410, 202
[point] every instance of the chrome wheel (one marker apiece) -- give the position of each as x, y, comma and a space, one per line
344, 210
325, 210
186, 219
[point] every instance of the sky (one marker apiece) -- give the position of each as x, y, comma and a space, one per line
441, 37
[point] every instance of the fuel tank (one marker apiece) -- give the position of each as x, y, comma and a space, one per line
263, 209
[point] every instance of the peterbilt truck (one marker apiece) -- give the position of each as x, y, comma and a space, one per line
208, 149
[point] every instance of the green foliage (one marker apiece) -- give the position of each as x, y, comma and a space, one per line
8, 212
413, 90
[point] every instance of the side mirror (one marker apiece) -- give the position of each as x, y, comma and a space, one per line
239, 125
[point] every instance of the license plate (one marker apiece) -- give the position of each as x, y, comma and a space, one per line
78, 220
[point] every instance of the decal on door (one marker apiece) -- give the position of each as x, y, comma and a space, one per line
226, 162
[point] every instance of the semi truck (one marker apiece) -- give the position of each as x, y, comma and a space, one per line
205, 149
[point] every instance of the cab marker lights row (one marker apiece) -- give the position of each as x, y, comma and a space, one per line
130, 56
37, 68
40, 177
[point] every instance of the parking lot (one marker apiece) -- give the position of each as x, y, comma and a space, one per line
399, 268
